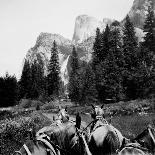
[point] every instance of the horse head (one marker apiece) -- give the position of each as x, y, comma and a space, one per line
97, 112
63, 114
147, 139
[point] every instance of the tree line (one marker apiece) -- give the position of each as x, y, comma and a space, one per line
121, 68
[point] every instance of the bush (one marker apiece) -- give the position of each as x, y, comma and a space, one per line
14, 133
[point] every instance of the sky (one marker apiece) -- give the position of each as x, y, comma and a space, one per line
21, 21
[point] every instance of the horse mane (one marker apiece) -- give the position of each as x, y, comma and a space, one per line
62, 135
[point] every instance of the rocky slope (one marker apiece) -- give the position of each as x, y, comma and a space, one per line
42, 48
139, 10
83, 38
85, 27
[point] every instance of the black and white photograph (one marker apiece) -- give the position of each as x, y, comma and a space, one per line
77, 77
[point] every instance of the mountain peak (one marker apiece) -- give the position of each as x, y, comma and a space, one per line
139, 10
85, 27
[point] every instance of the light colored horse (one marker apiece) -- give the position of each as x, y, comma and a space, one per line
63, 115
104, 138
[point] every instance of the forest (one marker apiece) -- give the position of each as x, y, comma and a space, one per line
121, 69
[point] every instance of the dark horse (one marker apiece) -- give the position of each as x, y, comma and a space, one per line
64, 139
104, 138
143, 144
37, 146
66, 136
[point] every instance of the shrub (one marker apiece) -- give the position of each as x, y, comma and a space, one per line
14, 133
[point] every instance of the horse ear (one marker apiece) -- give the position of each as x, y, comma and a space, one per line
66, 108
31, 136
92, 106
78, 120
59, 108
149, 126
53, 118
102, 106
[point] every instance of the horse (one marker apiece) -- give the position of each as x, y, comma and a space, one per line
104, 138
143, 144
147, 139
66, 136
63, 140
63, 115
38, 146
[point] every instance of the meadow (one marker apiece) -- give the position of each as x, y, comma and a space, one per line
131, 118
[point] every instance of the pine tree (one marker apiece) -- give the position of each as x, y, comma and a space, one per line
129, 45
34, 81
74, 77
53, 77
147, 49
24, 83
89, 92
149, 29
8, 90
105, 44
131, 60
96, 49
115, 58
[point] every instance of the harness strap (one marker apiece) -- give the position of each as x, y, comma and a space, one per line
45, 138
137, 147
151, 135
18, 152
27, 150
47, 144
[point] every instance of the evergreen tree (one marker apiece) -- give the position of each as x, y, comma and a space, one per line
129, 45
74, 77
96, 49
8, 90
34, 81
88, 93
105, 44
24, 83
131, 60
149, 29
53, 77
147, 50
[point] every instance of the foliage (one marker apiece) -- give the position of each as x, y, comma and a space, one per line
14, 133
73, 85
24, 82
32, 81
53, 79
88, 92
8, 90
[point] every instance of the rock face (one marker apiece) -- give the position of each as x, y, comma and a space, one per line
42, 48
83, 38
139, 10
85, 27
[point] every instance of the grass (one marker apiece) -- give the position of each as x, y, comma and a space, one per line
15, 123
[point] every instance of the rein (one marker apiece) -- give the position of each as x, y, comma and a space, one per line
89, 125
